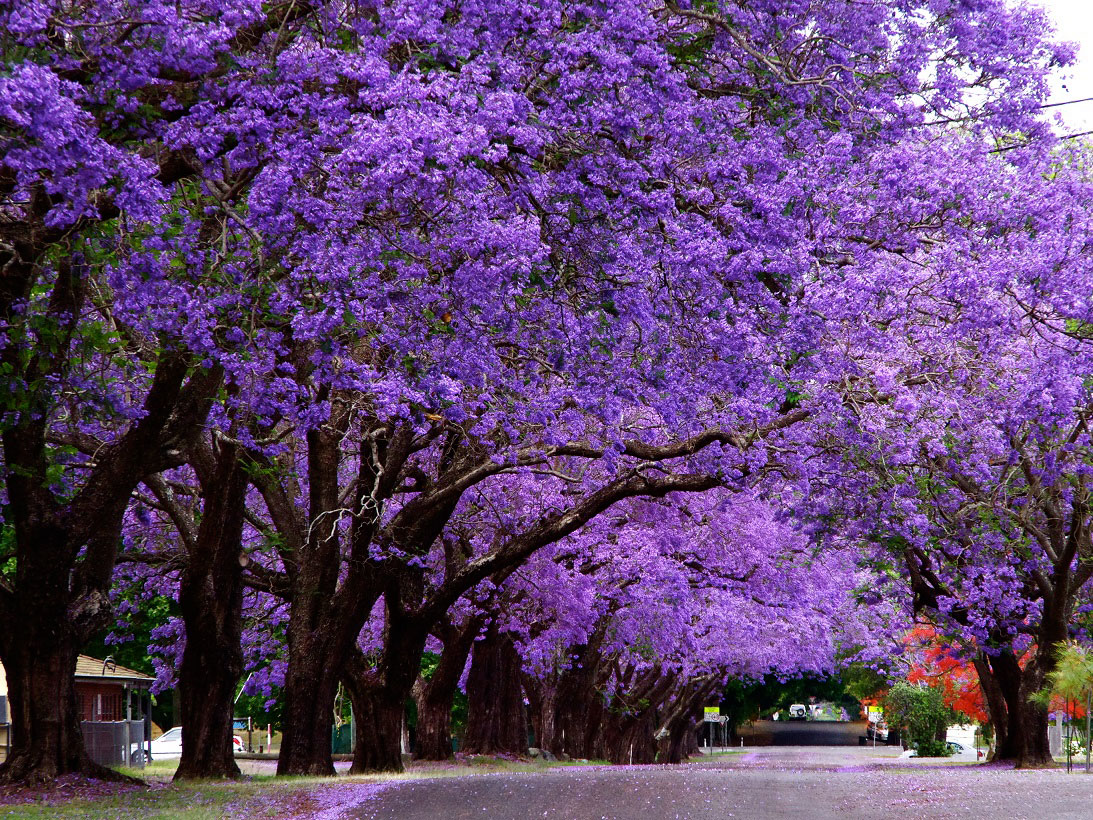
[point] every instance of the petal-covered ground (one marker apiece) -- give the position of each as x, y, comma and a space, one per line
766, 782
793, 782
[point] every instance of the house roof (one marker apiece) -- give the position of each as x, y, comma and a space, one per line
88, 668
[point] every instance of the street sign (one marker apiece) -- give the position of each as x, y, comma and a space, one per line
711, 714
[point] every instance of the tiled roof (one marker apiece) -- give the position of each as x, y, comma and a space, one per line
88, 667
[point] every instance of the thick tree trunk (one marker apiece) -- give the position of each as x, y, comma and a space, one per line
311, 684
496, 717
691, 747
433, 740
671, 749
46, 740
1036, 749
630, 720
682, 717
542, 704
577, 715
378, 715
379, 695
211, 600
629, 738
324, 619
578, 704
434, 697
65, 550
39, 656
1021, 731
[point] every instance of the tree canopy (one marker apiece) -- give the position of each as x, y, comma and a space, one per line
609, 349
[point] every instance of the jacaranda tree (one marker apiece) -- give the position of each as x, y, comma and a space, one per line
419, 244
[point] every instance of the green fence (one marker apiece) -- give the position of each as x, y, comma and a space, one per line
341, 739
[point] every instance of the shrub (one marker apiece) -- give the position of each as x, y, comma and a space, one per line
920, 710
933, 748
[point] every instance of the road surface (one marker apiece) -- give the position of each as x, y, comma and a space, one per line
817, 783
817, 733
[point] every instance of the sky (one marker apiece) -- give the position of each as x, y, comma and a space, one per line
1074, 23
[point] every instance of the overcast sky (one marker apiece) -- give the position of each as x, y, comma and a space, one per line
1074, 22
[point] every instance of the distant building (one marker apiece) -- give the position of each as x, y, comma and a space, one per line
105, 691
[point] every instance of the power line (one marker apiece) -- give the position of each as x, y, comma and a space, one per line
1065, 102
1024, 144
973, 117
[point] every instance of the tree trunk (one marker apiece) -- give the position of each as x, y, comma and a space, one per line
692, 747
46, 741
379, 694
39, 657
681, 719
629, 738
1036, 749
630, 721
433, 740
379, 712
542, 705
578, 703
211, 600
996, 704
1021, 732
575, 725
311, 684
671, 750
325, 614
65, 550
378, 715
435, 696
496, 717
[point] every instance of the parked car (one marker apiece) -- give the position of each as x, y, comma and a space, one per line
877, 731
960, 753
797, 711
168, 746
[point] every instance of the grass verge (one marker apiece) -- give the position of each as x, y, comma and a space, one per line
259, 795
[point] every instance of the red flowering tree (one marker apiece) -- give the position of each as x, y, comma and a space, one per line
939, 665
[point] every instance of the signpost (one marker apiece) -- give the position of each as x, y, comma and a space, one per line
712, 715
874, 714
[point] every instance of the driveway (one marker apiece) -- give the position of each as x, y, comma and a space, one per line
772, 782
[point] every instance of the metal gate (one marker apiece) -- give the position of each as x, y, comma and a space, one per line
112, 742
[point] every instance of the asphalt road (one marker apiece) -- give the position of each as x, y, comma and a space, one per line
815, 783
818, 733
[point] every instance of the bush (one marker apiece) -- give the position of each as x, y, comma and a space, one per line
933, 748
920, 710
1076, 746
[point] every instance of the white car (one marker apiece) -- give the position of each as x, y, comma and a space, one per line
961, 753
168, 746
